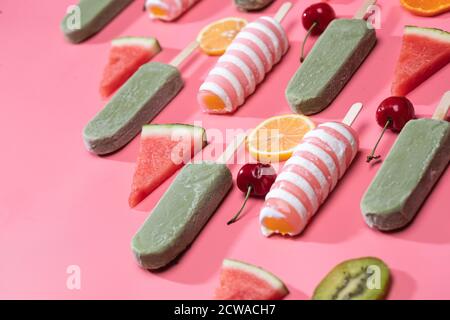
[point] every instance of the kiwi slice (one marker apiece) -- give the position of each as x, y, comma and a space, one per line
357, 279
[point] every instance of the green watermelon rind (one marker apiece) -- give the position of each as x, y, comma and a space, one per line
148, 43
175, 130
268, 277
434, 33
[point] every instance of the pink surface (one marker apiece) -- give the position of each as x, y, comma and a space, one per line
61, 206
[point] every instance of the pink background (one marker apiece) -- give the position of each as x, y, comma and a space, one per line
61, 206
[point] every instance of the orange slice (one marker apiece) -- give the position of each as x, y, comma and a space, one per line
215, 38
158, 11
274, 139
426, 8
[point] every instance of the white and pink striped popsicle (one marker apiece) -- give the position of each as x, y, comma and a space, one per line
255, 50
168, 10
308, 177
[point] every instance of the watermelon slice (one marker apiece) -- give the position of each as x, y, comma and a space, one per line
126, 56
243, 281
424, 52
163, 150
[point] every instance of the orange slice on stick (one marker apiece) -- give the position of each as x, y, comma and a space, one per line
215, 38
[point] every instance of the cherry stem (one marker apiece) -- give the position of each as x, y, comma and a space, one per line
372, 156
302, 58
236, 217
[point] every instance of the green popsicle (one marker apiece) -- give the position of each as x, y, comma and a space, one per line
417, 160
136, 103
181, 213
252, 5
336, 56
89, 17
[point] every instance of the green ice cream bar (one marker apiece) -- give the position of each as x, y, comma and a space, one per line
136, 103
252, 5
181, 213
338, 53
89, 17
416, 161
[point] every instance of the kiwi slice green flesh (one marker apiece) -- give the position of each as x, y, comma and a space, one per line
357, 279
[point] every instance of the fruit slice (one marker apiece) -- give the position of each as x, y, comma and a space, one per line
215, 38
164, 149
275, 139
424, 52
243, 281
357, 279
126, 56
426, 8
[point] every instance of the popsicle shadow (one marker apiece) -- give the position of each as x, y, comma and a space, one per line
367, 83
361, 126
402, 286
390, 23
203, 10
321, 228
429, 223
431, 90
120, 23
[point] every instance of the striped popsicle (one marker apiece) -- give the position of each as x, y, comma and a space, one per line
255, 50
308, 177
168, 10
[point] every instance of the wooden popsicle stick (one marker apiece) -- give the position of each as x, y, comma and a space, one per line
351, 115
232, 148
183, 55
362, 11
442, 109
283, 11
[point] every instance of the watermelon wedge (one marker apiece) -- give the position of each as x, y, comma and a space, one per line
424, 52
163, 150
243, 281
126, 56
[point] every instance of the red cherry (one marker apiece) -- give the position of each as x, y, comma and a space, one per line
254, 179
257, 175
316, 19
393, 113
399, 110
320, 14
